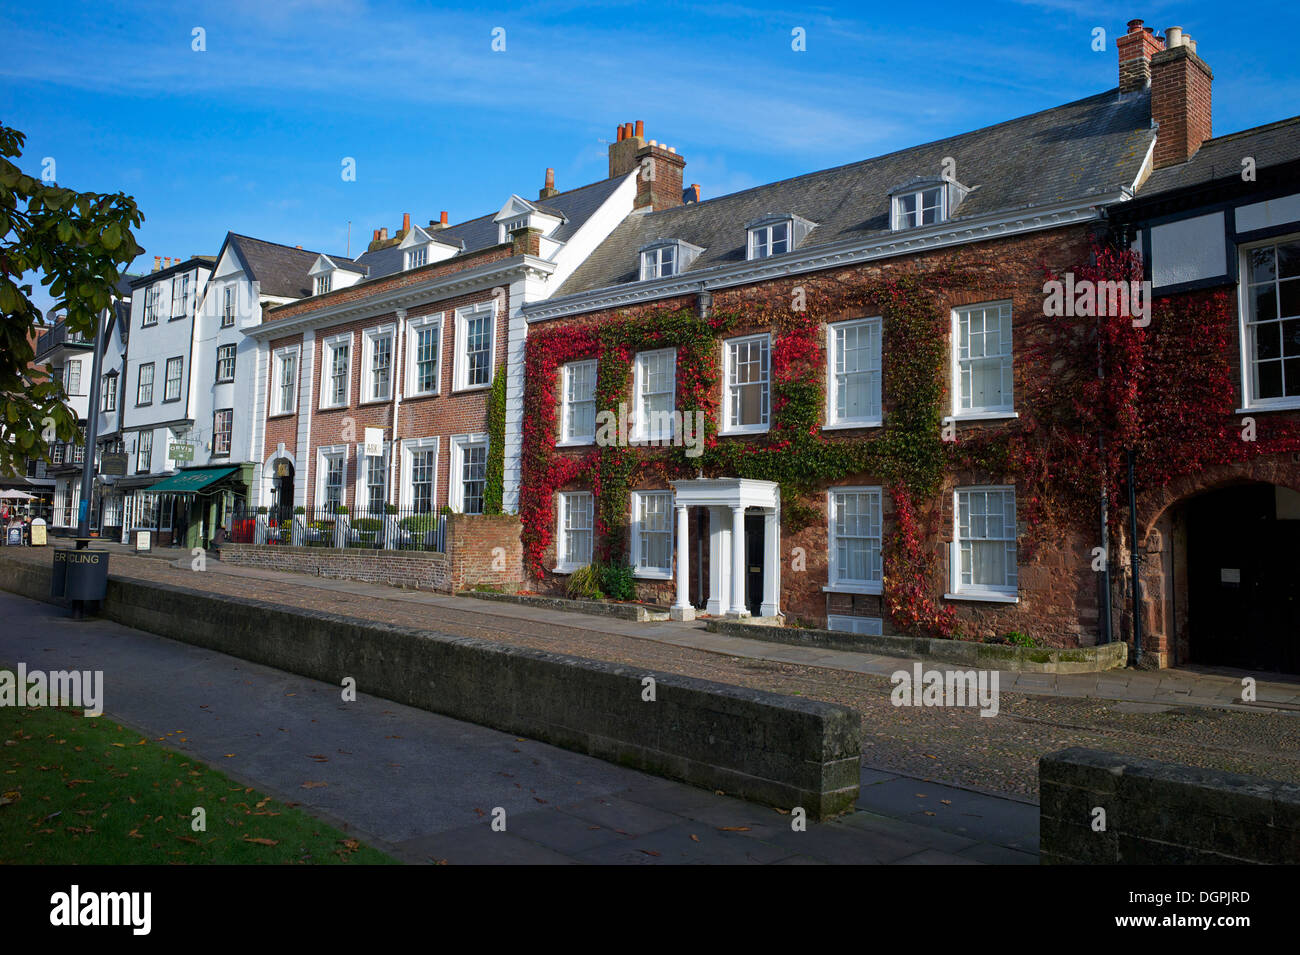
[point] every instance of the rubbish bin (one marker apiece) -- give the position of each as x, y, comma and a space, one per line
87, 574
59, 575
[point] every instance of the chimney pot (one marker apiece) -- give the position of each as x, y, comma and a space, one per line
1135, 26
640, 128
550, 178
406, 222
443, 218
157, 262
1173, 37
298, 247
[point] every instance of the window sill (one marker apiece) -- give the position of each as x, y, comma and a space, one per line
342, 407
375, 401
987, 596
463, 388
981, 416
1287, 405
641, 574
576, 443
741, 432
282, 414
412, 395
850, 425
567, 568
868, 589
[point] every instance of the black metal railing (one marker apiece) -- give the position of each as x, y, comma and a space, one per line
402, 529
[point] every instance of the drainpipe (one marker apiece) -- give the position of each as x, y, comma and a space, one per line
1136, 561
399, 379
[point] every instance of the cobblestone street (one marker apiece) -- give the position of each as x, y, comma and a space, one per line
950, 745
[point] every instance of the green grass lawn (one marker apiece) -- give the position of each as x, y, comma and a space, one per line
77, 790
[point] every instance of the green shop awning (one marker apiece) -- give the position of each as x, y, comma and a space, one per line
188, 482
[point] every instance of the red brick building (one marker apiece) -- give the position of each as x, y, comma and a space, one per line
880, 374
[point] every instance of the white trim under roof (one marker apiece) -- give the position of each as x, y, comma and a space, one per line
831, 255
431, 290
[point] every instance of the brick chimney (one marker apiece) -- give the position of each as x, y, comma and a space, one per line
1135, 51
1180, 99
658, 167
549, 189
157, 262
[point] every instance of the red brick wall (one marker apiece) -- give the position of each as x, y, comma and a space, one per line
1058, 598
484, 550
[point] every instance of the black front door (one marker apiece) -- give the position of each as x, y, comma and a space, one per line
754, 541
284, 493
1243, 576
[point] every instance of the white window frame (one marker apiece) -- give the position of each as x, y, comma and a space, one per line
455, 483
229, 301
416, 256
233, 351
230, 444
151, 302
328, 347
634, 552
844, 585
461, 371
833, 417
1008, 408
323, 283
993, 594
167, 378
1245, 337
68, 377
726, 427
108, 392
361, 490
323, 454
277, 381
181, 293
851, 623
410, 447
765, 231
640, 431
567, 437
139, 376
897, 214
368, 340
656, 265
144, 445
562, 500
413, 327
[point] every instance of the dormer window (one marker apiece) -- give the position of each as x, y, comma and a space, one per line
666, 257
322, 283
769, 240
417, 257
924, 201
923, 207
776, 235
512, 225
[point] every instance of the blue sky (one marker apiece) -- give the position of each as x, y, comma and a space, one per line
250, 135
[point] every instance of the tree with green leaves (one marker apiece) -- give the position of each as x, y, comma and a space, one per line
78, 244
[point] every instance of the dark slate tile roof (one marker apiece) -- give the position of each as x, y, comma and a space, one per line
1092, 146
1220, 158
281, 269
576, 205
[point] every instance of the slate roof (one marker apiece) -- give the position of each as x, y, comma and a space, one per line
1220, 158
281, 269
1089, 147
576, 206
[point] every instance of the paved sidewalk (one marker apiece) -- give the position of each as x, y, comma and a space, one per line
423, 787
1146, 690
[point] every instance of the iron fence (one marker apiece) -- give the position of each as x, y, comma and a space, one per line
389, 529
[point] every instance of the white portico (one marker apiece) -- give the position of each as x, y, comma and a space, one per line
730, 566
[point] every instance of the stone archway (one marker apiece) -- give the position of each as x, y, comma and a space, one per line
1206, 580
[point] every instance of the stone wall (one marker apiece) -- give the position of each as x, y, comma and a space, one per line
1161, 813
481, 550
774, 749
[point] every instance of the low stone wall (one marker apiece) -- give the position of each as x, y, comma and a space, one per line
988, 656
1161, 813
425, 570
599, 608
774, 749
481, 549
